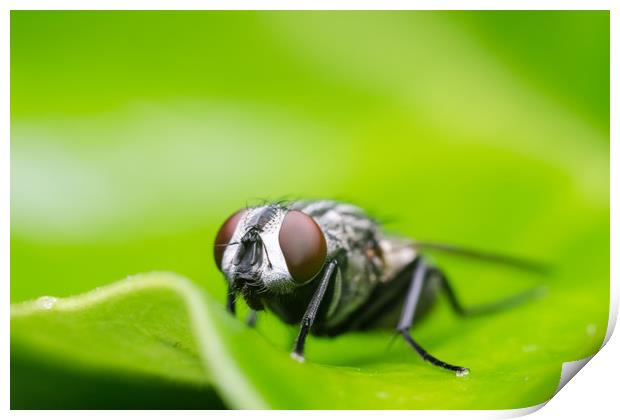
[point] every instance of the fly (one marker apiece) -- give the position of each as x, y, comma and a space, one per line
329, 268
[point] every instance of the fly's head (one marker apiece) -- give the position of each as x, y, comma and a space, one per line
269, 250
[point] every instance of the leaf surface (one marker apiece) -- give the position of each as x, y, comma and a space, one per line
161, 326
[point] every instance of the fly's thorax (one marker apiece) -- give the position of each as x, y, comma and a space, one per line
353, 237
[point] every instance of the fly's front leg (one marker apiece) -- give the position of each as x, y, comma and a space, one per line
230, 300
420, 274
313, 307
231, 308
252, 317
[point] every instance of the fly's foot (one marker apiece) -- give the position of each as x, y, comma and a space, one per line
462, 372
299, 357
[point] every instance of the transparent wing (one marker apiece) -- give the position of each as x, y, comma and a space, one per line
399, 251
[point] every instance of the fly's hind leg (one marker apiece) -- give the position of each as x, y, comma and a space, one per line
483, 309
420, 274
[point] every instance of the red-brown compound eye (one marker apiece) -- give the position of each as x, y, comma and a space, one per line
224, 235
303, 246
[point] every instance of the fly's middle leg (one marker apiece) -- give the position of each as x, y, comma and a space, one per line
420, 275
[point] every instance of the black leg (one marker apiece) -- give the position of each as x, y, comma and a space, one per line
485, 308
251, 321
231, 307
313, 307
420, 274
230, 300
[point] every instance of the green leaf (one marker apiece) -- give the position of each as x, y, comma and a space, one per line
161, 327
131, 337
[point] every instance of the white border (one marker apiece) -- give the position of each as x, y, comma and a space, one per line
600, 380
308, 5
5, 217
614, 184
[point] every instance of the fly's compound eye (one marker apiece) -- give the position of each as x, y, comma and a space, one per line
303, 246
224, 236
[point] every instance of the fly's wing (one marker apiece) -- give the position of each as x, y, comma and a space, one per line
399, 251
518, 263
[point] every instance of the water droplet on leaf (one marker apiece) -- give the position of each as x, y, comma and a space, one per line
46, 302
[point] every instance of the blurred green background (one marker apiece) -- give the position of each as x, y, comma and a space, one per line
135, 134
